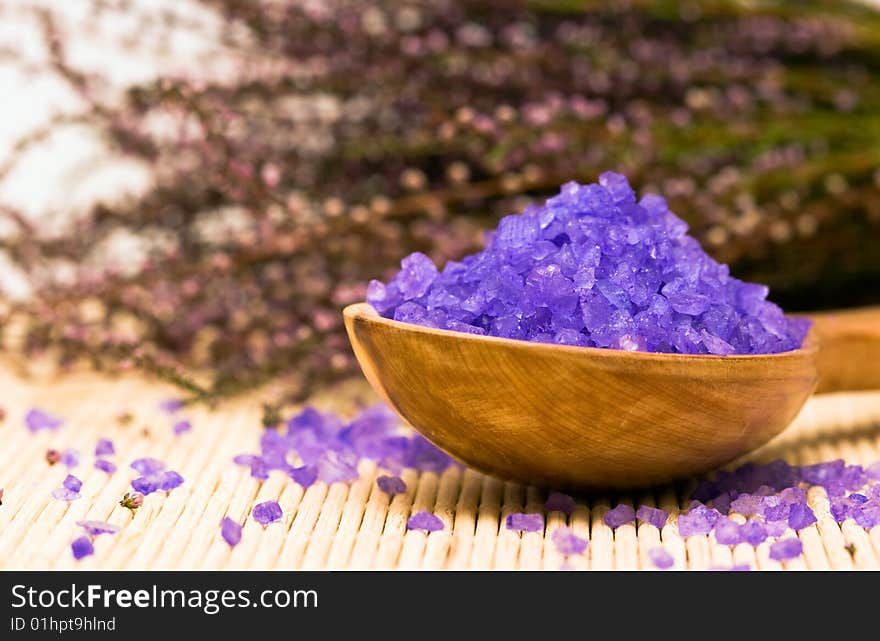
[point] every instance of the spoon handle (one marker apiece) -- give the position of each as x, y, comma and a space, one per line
849, 349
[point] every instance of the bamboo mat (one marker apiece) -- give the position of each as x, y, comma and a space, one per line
352, 525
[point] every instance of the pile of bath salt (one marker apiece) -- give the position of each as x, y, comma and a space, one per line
593, 267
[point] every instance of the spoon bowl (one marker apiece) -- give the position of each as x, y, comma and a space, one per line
579, 417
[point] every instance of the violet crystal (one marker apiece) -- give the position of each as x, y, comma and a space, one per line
661, 558
619, 515
267, 512
523, 522
567, 542
593, 267
230, 531
391, 484
652, 516
786, 549
559, 502
82, 547
424, 521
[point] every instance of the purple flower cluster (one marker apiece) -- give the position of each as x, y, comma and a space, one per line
154, 476
322, 446
593, 267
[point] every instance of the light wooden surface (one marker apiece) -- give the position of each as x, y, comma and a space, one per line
576, 416
352, 526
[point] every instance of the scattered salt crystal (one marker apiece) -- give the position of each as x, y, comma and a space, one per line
82, 547
661, 558
391, 484
567, 542
424, 521
652, 516
786, 549
230, 531
267, 512
525, 522
619, 515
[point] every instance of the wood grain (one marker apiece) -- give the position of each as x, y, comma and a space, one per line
574, 416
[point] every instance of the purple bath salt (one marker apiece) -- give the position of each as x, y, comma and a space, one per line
104, 447
593, 267
698, 521
147, 466
800, 516
230, 531
786, 549
64, 494
169, 479
181, 427
72, 483
267, 512
424, 521
652, 516
867, 513
94, 528
620, 515
567, 542
146, 485
70, 458
82, 547
559, 502
391, 484
661, 558
727, 531
523, 522
37, 420
104, 465
754, 533
873, 471
305, 475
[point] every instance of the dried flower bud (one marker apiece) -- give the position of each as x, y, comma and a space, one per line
52, 456
132, 501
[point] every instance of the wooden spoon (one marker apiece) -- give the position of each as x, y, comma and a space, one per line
585, 417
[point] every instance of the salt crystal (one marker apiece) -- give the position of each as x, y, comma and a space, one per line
567, 542
786, 549
619, 515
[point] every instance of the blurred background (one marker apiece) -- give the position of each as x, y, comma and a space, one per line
196, 187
